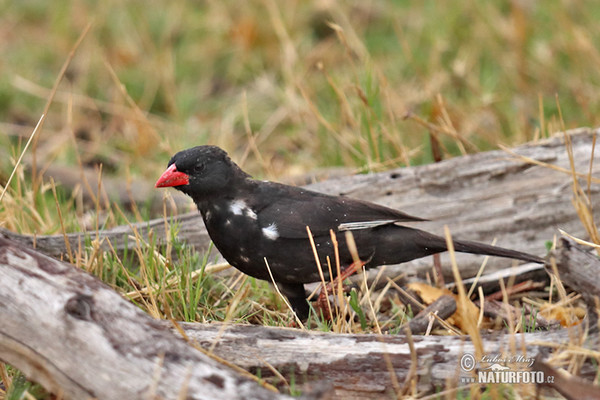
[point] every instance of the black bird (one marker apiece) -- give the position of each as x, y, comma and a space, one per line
250, 221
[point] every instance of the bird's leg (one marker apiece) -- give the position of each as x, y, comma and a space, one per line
296, 296
346, 273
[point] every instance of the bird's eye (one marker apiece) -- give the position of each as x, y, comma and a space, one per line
198, 168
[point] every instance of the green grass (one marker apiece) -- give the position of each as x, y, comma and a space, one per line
286, 88
21, 387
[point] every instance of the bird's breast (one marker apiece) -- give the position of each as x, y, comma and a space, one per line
231, 222
234, 228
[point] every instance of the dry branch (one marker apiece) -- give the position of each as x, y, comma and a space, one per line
443, 307
486, 196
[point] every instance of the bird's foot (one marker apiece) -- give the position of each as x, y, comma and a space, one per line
292, 324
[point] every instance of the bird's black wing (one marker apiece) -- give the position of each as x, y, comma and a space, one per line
292, 209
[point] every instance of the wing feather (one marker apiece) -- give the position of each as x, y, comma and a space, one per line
292, 209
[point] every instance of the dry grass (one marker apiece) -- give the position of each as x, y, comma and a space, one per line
287, 88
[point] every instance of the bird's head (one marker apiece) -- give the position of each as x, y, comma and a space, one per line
201, 172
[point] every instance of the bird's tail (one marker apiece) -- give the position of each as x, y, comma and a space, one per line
466, 246
426, 243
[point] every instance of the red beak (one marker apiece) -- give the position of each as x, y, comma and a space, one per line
172, 177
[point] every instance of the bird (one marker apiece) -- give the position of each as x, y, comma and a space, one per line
260, 227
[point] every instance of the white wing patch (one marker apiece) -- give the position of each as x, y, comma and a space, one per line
250, 213
271, 232
239, 207
354, 226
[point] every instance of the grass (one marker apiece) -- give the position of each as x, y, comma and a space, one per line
21, 388
287, 88
320, 87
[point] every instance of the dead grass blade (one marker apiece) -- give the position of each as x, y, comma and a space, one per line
533, 161
20, 159
285, 300
470, 321
321, 275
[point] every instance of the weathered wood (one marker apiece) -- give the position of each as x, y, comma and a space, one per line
189, 226
359, 366
490, 282
443, 307
73, 334
571, 387
486, 196
579, 270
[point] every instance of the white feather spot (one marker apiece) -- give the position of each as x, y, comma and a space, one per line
207, 215
244, 259
270, 232
239, 207
250, 213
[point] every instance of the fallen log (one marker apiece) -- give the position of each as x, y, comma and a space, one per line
77, 337
579, 270
360, 366
489, 196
